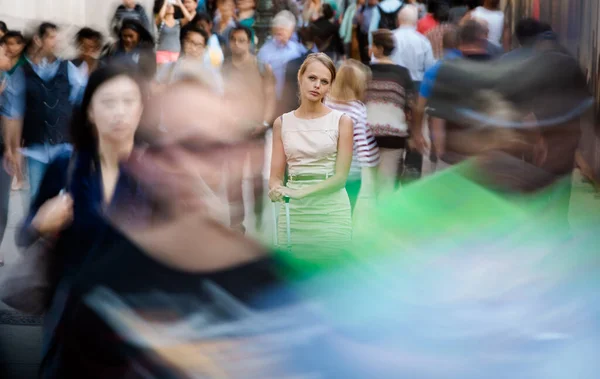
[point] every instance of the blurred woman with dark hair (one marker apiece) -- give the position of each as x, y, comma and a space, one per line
134, 47
76, 188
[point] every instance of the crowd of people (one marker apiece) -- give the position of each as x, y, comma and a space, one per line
127, 147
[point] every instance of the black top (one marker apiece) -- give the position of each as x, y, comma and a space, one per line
327, 37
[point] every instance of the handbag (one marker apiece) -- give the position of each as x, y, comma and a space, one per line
29, 286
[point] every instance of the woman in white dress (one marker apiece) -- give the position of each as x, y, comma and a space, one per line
316, 144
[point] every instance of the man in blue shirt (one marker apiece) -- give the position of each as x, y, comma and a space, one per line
37, 106
281, 49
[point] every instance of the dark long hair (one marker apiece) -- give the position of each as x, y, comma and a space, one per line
146, 39
83, 133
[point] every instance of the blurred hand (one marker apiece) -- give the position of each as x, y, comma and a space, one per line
54, 215
418, 142
276, 194
12, 162
293, 193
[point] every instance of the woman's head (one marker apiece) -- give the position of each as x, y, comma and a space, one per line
383, 43
170, 9
315, 77
351, 81
134, 34
190, 5
111, 109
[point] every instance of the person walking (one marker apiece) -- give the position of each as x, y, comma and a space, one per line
389, 99
39, 99
89, 45
134, 47
247, 72
5, 176
491, 13
347, 96
130, 10
316, 144
103, 131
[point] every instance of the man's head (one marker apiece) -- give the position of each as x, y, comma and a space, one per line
14, 43
471, 37
450, 39
240, 40
327, 11
305, 34
193, 41
282, 26
46, 39
528, 29
204, 21
129, 4
442, 13
89, 43
408, 16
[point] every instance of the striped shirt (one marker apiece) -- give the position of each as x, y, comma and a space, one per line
436, 37
366, 151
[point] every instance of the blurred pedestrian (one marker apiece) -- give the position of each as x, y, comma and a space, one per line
168, 47
362, 19
130, 9
429, 21
134, 47
327, 34
436, 35
281, 49
14, 43
494, 17
224, 19
89, 46
76, 188
247, 74
38, 103
347, 95
389, 98
215, 46
289, 100
5, 176
315, 143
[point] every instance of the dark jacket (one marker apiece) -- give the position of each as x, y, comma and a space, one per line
327, 37
48, 107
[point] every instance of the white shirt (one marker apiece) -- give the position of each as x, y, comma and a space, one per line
495, 21
413, 51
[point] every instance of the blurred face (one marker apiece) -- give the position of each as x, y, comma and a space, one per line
315, 82
206, 25
116, 109
372, 2
49, 42
282, 34
227, 9
129, 4
246, 5
194, 45
130, 39
239, 43
190, 5
5, 63
89, 48
170, 9
14, 47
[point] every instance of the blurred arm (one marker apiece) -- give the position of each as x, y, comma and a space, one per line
278, 160
160, 17
270, 95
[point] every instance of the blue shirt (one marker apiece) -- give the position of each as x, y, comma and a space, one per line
278, 56
431, 74
14, 96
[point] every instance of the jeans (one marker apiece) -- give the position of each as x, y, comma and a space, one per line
38, 159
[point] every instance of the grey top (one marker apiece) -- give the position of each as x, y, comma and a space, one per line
168, 37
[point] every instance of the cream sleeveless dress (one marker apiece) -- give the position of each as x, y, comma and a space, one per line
321, 224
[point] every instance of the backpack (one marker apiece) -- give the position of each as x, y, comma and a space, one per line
388, 20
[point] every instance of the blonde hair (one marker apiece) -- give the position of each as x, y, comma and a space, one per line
321, 58
351, 81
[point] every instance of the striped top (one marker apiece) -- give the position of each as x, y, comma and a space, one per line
366, 152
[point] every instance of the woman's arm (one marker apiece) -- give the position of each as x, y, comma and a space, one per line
187, 16
50, 187
278, 163
160, 17
342, 165
270, 94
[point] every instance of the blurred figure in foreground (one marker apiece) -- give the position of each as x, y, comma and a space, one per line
249, 75
76, 188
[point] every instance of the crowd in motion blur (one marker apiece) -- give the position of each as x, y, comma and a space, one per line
378, 143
